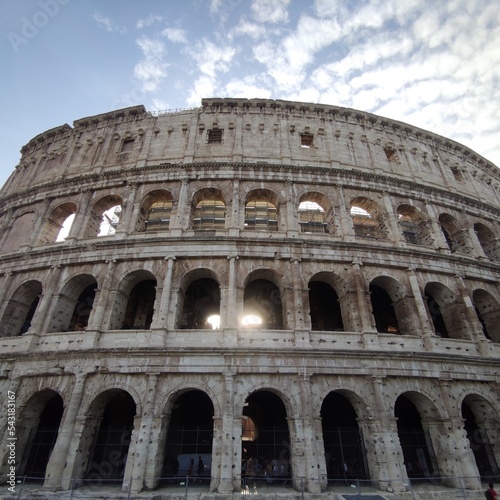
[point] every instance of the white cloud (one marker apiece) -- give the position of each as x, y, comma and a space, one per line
108, 24
151, 70
142, 23
175, 35
270, 11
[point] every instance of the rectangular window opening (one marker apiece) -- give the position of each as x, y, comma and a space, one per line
215, 136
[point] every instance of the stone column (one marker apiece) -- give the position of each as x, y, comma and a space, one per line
5, 292
313, 454
162, 302
4, 433
77, 229
385, 457
43, 314
228, 442
476, 332
231, 317
99, 306
345, 220
132, 452
366, 320
299, 299
440, 242
143, 435
454, 446
234, 217
129, 214
291, 222
182, 218
154, 465
58, 457
421, 309
393, 225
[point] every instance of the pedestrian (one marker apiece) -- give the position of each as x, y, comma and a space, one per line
490, 493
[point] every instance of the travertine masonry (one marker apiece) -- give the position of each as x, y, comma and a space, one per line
368, 249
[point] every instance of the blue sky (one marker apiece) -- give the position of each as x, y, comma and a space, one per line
432, 63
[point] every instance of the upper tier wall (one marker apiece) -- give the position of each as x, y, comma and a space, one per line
254, 131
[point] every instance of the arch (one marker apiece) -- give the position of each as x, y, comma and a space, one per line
107, 434
488, 312
58, 223
262, 299
390, 306
155, 212
208, 210
481, 422
262, 210
324, 305
37, 435
189, 436
133, 306
20, 309
342, 440
104, 217
265, 439
367, 218
74, 304
446, 312
414, 225
413, 412
487, 240
454, 235
201, 302
315, 213
20, 231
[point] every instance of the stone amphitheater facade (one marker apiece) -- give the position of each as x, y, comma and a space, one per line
284, 289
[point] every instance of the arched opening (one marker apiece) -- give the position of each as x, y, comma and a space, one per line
446, 312
140, 306
261, 211
386, 320
58, 224
265, 440
156, 212
41, 419
414, 226
489, 243
344, 451
189, 438
133, 304
21, 309
315, 213
19, 233
201, 304
455, 237
74, 305
367, 219
324, 307
262, 299
104, 217
209, 210
116, 410
419, 457
488, 312
479, 420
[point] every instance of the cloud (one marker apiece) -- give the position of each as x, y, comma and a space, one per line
108, 24
175, 35
142, 23
151, 70
270, 11
211, 59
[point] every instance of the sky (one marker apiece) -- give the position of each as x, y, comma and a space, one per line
434, 64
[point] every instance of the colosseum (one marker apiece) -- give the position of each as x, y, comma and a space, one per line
253, 297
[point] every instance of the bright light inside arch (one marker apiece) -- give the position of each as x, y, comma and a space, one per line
214, 320
251, 320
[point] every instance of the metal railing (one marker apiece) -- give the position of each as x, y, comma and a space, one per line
296, 488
